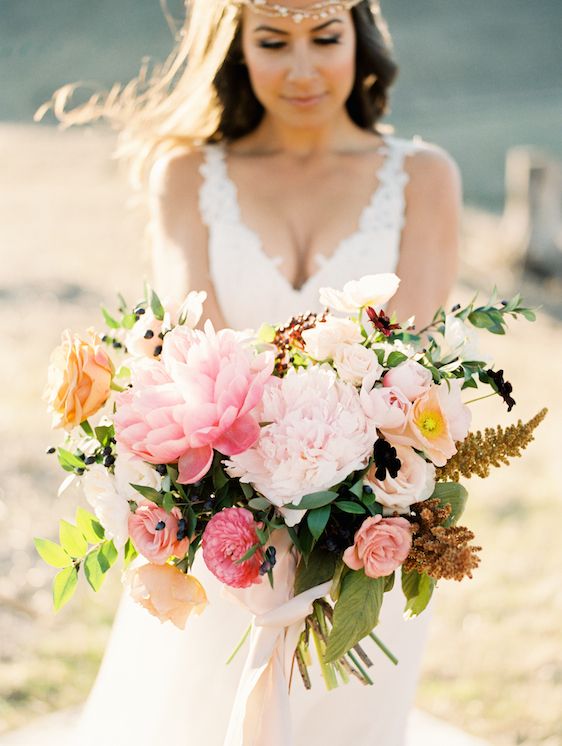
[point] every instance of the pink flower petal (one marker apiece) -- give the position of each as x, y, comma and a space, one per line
194, 464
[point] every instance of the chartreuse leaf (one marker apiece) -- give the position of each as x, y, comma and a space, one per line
107, 555
418, 589
130, 552
455, 495
64, 586
356, 613
317, 520
69, 461
156, 306
109, 320
319, 569
72, 540
93, 569
91, 528
53, 554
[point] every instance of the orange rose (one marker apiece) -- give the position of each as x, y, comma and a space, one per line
166, 592
79, 379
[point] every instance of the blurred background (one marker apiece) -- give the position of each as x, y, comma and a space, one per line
482, 79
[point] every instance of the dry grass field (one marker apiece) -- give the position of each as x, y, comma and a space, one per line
69, 241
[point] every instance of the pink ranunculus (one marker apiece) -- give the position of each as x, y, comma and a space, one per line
200, 396
227, 537
155, 533
414, 482
410, 377
380, 546
166, 592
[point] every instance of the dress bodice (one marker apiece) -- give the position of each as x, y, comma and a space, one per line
249, 286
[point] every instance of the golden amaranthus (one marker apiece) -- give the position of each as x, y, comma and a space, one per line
478, 452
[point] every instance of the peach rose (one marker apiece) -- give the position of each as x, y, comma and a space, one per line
166, 592
79, 379
410, 377
380, 546
156, 534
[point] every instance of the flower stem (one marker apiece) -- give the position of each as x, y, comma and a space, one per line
479, 398
383, 647
242, 641
367, 679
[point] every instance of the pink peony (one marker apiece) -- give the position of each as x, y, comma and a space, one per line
317, 434
201, 396
410, 377
155, 533
166, 592
227, 538
380, 546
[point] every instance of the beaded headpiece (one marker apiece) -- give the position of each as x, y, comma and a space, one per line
315, 11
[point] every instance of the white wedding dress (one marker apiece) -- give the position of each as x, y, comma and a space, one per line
160, 685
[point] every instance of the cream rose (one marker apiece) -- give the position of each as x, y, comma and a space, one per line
414, 482
354, 362
410, 377
322, 341
79, 379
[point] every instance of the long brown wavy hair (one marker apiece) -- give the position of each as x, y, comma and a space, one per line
202, 92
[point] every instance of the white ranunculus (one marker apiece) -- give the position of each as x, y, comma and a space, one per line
322, 340
370, 290
354, 361
460, 340
111, 508
132, 470
317, 434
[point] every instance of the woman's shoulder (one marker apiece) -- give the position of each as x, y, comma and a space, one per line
426, 163
175, 170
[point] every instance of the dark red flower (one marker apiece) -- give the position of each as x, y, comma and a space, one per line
381, 321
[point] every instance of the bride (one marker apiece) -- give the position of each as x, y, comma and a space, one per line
269, 178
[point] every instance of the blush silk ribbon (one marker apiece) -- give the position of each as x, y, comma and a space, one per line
261, 713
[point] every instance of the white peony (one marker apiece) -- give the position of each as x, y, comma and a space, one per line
354, 361
414, 482
317, 434
370, 290
322, 340
129, 470
111, 509
460, 340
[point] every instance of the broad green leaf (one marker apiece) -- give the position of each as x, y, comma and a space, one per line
87, 428
418, 589
156, 305
104, 433
455, 495
355, 614
350, 507
357, 488
168, 502
129, 553
317, 520
69, 461
72, 540
314, 500
52, 553
320, 568
109, 320
64, 586
91, 528
389, 582
93, 571
149, 492
259, 503
107, 555
395, 358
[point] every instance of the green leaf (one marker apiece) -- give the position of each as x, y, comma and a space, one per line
104, 433
128, 321
166, 483
69, 461
314, 500
87, 428
129, 552
247, 555
107, 555
418, 589
357, 488
72, 540
64, 586
156, 305
356, 613
172, 472
395, 358
109, 320
259, 503
455, 495
219, 477
93, 570
347, 506
91, 528
247, 489
389, 582
319, 568
53, 554
168, 502
317, 520
149, 492
528, 314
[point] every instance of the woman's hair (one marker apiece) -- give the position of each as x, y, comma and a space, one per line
202, 92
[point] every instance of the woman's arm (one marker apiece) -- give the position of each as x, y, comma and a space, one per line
179, 238
431, 237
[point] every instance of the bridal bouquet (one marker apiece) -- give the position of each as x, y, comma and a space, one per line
311, 464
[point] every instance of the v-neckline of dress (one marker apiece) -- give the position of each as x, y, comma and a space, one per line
321, 259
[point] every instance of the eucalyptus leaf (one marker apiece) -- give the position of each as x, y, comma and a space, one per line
64, 586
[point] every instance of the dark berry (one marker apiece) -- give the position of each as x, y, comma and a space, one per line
80, 472
148, 334
161, 469
157, 350
107, 451
52, 449
367, 489
159, 526
109, 461
140, 310
117, 345
90, 460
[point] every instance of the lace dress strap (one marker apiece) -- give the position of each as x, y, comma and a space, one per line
217, 196
387, 208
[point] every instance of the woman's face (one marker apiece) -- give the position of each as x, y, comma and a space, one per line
302, 73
